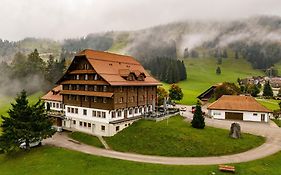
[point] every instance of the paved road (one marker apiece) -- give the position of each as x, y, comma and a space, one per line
272, 145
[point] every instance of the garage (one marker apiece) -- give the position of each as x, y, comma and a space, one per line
233, 115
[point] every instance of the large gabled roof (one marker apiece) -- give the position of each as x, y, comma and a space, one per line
237, 103
113, 67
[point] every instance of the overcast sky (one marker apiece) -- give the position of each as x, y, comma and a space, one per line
60, 19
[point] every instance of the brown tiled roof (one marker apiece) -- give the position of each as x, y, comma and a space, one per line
237, 103
54, 94
87, 93
88, 82
111, 67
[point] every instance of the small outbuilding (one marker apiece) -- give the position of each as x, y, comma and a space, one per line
234, 107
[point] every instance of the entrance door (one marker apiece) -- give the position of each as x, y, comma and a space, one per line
233, 116
262, 117
125, 113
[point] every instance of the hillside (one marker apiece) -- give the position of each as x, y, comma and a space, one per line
201, 75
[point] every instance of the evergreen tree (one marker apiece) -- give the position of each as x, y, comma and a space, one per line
253, 90
25, 124
267, 90
198, 120
218, 70
175, 92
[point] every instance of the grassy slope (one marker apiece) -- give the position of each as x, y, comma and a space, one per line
270, 104
5, 102
51, 160
178, 138
86, 138
201, 74
278, 122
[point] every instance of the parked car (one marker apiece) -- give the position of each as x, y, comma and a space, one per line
32, 144
193, 109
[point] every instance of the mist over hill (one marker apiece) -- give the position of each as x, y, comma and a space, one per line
258, 39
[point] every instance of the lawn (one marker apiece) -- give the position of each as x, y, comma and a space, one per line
86, 138
51, 160
176, 137
201, 74
278, 122
270, 104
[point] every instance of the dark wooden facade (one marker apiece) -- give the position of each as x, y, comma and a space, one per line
84, 87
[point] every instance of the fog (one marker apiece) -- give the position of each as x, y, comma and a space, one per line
71, 18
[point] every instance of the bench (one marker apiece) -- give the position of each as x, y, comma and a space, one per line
227, 168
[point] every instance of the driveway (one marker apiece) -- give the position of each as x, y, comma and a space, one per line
271, 146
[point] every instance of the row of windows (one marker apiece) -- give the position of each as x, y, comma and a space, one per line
72, 110
55, 105
132, 99
86, 77
88, 125
86, 98
86, 87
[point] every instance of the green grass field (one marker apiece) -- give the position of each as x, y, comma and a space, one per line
270, 104
86, 138
5, 102
178, 138
278, 122
201, 74
50, 160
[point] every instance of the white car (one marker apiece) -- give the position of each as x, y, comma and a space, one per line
33, 144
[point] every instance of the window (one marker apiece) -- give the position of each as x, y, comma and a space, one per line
57, 105
72, 110
99, 114
130, 111
121, 100
84, 112
89, 125
216, 113
149, 108
77, 77
121, 89
86, 76
74, 122
96, 77
113, 114
86, 98
95, 88
103, 114
94, 99
132, 99
86, 87
86, 66
255, 114
76, 110
94, 113
104, 100
119, 113
77, 87
140, 110
80, 123
117, 128
104, 88
68, 109
70, 87
54, 105
85, 124
60, 105
136, 110
102, 127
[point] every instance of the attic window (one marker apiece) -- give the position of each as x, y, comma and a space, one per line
131, 77
141, 78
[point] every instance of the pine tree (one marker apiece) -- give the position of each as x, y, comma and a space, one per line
198, 120
218, 70
25, 124
267, 90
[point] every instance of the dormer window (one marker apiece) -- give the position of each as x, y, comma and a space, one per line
131, 77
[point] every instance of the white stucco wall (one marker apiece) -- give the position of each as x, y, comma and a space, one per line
247, 116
